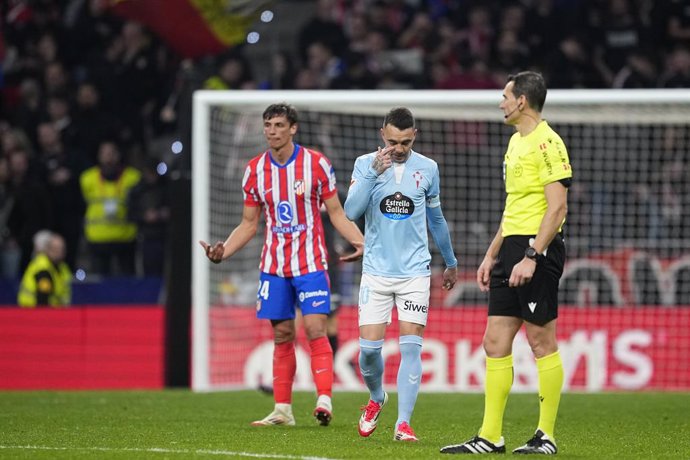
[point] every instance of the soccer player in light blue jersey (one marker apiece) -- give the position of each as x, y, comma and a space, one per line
398, 192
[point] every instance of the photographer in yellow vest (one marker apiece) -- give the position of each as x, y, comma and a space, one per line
47, 280
109, 232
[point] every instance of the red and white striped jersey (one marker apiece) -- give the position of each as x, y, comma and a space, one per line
291, 196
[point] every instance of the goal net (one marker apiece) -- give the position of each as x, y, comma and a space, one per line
625, 294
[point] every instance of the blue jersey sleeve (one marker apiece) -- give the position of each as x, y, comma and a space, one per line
359, 194
434, 189
438, 227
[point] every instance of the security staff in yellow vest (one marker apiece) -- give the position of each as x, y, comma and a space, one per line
111, 236
47, 280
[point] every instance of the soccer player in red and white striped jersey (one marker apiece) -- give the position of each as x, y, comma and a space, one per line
290, 183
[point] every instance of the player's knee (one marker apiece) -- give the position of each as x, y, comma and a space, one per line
314, 331
496, 346
282, 333
542, 344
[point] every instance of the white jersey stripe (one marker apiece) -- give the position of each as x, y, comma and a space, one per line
308, 179
261, 178
294, 263
280, 247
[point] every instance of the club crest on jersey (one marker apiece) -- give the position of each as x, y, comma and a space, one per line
397, 206
417, 176
299, 187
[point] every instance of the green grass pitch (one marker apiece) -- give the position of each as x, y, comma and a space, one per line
177, 424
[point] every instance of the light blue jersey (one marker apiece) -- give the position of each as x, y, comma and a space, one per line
396, 206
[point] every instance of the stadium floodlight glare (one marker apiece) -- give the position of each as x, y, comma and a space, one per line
621, 145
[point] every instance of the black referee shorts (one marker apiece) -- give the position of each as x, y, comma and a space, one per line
537, 301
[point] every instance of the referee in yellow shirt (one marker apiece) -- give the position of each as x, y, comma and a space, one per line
522, 268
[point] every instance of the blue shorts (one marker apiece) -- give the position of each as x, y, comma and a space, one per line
277, 296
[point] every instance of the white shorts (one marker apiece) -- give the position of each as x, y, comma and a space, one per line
378, 294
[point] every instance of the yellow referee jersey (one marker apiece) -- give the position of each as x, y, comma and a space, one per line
530, 163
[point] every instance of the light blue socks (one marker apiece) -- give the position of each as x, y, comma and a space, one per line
409, 376
371, 366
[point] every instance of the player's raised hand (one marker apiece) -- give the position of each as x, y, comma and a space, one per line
383, 160
354, 256
215, 252
450, 276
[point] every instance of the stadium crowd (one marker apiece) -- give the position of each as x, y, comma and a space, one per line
83, 88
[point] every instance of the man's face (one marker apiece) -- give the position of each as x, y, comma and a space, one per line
511, 105
56, 250
400, 140
279, 132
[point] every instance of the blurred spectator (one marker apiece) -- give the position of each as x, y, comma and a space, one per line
47, 280
475, 39
148, 205
10, 254
677, 72
356, 75
15, 139
58, 114
357, 31
232, 72
92, 123
61, 167
32, 209
477, 76
421, 33
91, 31
677, 23
638, 72
135, 83
110, 234
323, 63
510, 54
28, 112
619, 34
570, 66
282, 75
323, 28
56, 79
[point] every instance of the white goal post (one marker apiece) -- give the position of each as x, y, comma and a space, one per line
623, 145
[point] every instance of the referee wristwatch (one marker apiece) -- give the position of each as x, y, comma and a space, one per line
532, 253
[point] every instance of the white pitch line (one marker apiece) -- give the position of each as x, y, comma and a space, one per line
167, 451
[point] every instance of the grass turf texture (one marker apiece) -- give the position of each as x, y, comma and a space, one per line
176, 424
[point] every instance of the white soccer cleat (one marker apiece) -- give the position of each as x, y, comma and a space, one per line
324, 410
370, 416
281, 415
404, 432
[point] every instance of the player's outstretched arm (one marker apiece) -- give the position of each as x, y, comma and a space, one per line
239, 237
346, 228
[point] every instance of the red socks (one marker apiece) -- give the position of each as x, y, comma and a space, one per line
322, 365
284, 366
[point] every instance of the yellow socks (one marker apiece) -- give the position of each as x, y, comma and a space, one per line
550, 384
499, 379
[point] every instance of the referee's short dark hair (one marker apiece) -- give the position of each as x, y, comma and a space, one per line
400, 117
282, 109
532, 86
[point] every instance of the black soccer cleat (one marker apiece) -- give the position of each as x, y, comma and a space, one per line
539, 444
476, 445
